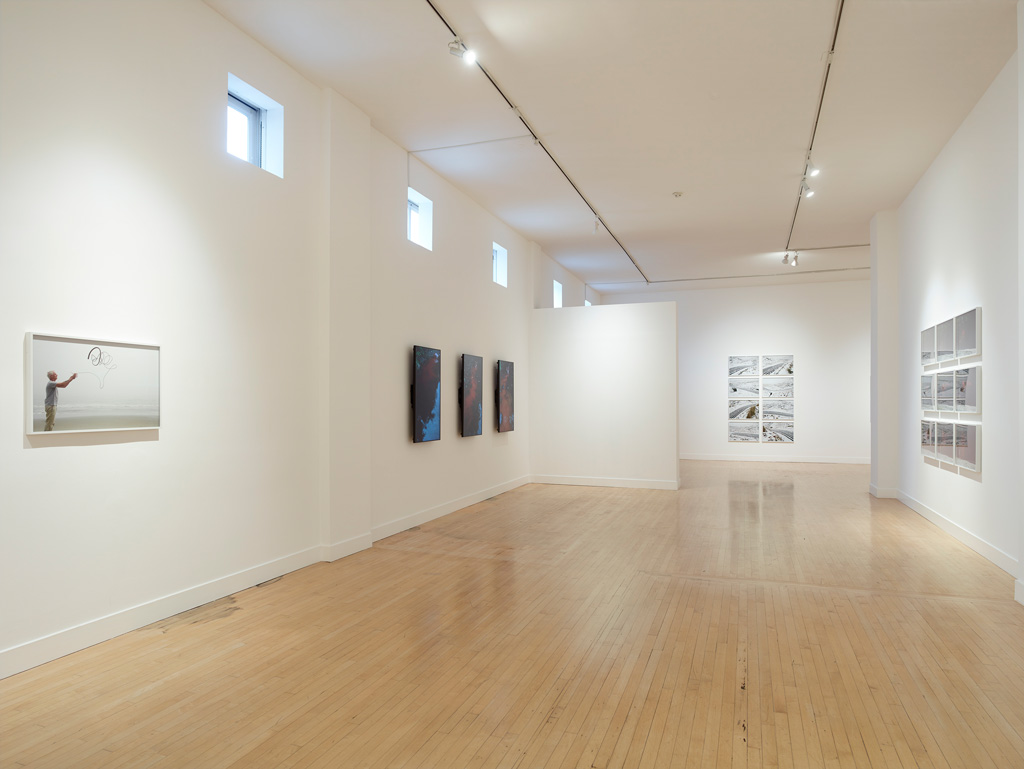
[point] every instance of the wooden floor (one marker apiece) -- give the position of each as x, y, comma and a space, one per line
763, 616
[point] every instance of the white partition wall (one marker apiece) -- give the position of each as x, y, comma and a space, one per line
603, 396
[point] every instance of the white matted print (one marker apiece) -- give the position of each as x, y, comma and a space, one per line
745, 388
928, 346
777, 409
944, 390
84, 385
968, 446
945, 341
928, 392
928, 438
968, 333
777, 387
776, 365
744, 432
743, 365
777, 432
967, 387
743, 409
944, 439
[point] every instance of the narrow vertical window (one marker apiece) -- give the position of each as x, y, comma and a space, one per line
419, 219
245, 130
499, 265
557, 293
586, 303
255, 127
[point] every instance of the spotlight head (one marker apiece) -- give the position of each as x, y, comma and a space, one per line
793, 263
785, 259
806, 191
455, 47
812, 170
469, 57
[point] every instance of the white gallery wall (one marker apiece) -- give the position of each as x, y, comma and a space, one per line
123, 218
603, 396
825, 326
285, 310
958, 249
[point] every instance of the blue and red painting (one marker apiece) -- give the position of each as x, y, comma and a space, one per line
472, 395
426, 394
506, 396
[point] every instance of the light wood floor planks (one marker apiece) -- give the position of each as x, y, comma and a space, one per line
763, 616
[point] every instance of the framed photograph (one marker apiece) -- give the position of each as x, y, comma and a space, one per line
743, 409
471, 393
426, 394
744, 432
506, 396
777, 387
944, 390
777, 409
968, 446
944, 439
776, 365
968, 333
928, 346
967, 389
87, 385
928, 438
745, 388
945, 341
928, 392
777, 432
743, 365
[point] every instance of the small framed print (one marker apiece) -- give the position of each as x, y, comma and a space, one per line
968, 446
776, 432
928, 392
776, 365
743, 365
928, 346
777, 387
944, 390
744, 432
944, 441
945, 341
744, 409
928, 438
968, 333
777, 409
967, 389
745, 388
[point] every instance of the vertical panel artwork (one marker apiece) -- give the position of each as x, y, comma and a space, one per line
472, 395
928, 438
506, 396
426, 394
944, 440
928, 346
968, 447
967, 387
928, 392
945, 341
968, 336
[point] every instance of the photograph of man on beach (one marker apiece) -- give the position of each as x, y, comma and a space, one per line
80, 384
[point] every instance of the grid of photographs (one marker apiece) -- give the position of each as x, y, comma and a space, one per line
760, 403
951, 391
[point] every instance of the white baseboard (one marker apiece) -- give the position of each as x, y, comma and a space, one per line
346, 547
1018, 591
1003, 560
63, 642
619, 483
779, 458
423, 516
883, 493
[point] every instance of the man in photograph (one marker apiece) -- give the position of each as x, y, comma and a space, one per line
51, 396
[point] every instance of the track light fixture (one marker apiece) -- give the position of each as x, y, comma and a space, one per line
457, 48
812, 170
792, 262
785, 259
806, 191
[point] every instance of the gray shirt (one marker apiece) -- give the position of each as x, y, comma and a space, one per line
51, 394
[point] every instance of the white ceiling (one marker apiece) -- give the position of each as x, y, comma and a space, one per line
639, 99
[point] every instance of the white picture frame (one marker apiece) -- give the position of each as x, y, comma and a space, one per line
776, 365
743, 365
100, 385
777, 432
945, 341
968, 333
928, 437
744, 409
928, 346
744, 432
945, 442
967, 389
967, 442
928, 392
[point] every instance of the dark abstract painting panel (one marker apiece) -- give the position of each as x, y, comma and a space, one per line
472, 395
426, 419
506, 396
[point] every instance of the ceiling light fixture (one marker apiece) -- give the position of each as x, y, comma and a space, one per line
457, 48
812, 170
795, 257
806, 191
785, 259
